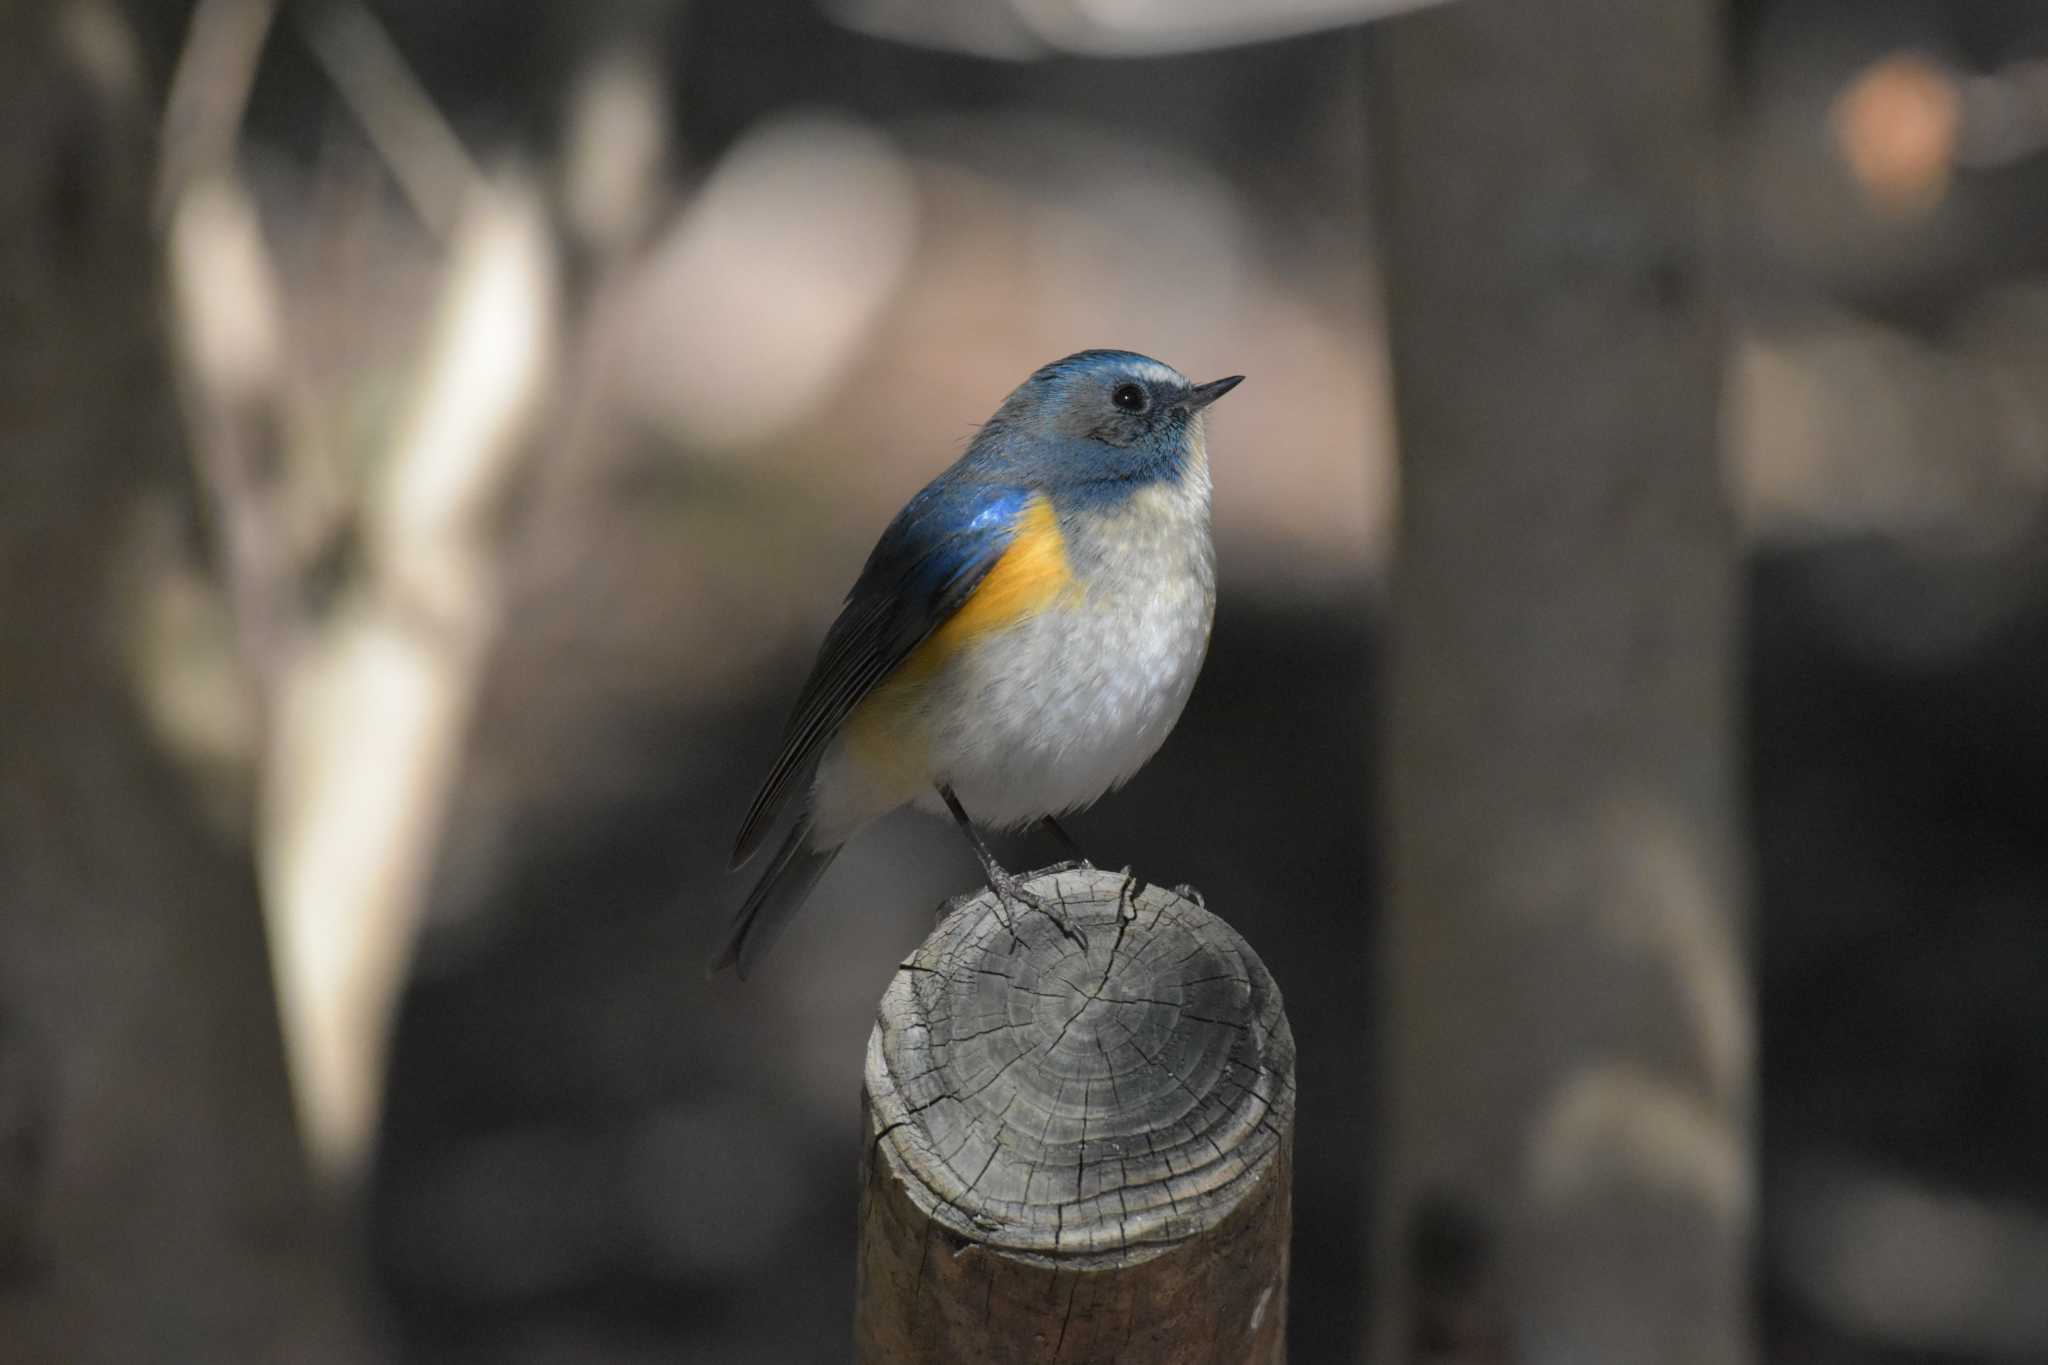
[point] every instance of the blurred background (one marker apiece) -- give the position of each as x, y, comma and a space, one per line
438, 434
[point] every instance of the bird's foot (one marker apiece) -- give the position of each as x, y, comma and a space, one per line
1188, 893
1010, 890
1070, 865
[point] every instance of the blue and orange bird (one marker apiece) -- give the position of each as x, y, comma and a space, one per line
1021, 641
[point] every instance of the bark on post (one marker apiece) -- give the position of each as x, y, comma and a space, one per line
1567, 1017
1078, 1156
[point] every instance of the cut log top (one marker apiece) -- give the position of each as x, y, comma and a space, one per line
1095, 1106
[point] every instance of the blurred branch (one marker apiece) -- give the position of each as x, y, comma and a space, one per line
364, 717
369, 737
209, 91
395, 112
225, 302
1019, 29
614, 148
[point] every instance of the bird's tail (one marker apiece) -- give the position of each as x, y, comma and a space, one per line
774, 901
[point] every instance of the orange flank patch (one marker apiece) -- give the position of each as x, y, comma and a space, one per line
884, 732
1028, 578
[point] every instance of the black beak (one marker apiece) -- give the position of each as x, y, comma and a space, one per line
1202, 395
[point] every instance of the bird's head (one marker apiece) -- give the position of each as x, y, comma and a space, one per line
1112, 414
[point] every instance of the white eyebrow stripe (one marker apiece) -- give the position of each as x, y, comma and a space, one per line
1157, 373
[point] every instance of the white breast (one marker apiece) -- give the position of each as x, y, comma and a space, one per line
1051, 715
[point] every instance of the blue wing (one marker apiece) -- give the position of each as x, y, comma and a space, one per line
927, 563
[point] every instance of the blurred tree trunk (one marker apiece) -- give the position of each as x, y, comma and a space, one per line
1566, 1011
153, 1205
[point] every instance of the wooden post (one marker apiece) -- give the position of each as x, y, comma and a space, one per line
1077, 1156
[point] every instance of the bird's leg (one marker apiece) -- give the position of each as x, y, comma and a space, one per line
1004, 884
1075, 857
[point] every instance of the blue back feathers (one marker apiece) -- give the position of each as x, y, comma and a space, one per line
927, 563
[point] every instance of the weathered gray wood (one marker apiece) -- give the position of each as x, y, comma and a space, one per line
1566, 1014
1078, 1156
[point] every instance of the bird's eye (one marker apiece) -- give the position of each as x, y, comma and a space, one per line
1129, 397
